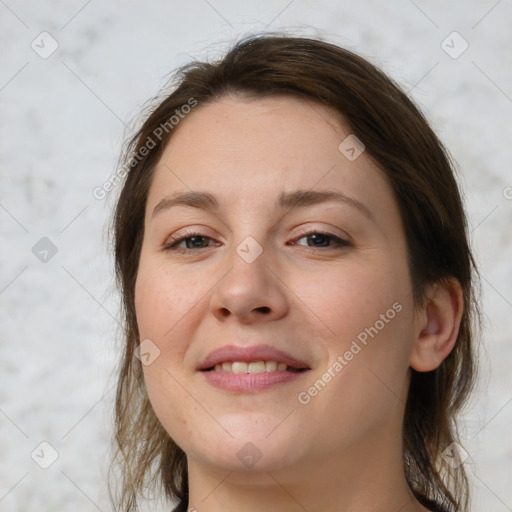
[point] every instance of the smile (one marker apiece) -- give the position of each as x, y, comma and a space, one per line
251, 377
253, 367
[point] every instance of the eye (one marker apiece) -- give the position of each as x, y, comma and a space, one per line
320, 238
196, 240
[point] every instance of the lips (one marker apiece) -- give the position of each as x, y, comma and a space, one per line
233, 353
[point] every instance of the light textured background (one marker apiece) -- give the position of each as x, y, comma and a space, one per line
62, 124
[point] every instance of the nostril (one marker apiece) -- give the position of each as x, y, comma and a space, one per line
264, 309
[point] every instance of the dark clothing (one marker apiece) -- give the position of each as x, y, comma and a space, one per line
432, 506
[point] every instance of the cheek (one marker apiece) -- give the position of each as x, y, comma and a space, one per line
346, 301
365, 313
163, 302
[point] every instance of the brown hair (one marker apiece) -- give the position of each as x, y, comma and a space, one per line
400, 141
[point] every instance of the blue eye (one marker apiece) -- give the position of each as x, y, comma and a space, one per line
197, 241
322, 237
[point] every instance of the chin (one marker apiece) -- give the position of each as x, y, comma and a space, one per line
251, 450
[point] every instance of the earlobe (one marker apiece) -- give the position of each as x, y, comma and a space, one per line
438, 326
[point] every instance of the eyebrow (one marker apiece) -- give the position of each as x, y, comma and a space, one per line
285, 201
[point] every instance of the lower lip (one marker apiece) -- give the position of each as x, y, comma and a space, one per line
249, 382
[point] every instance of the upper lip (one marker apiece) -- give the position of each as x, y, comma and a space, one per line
248, 355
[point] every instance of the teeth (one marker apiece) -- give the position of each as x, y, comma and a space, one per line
252, 367
270, 366
256, 367
238, 367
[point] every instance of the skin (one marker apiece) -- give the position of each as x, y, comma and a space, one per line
342, 450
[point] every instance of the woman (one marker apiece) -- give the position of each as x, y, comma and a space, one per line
297, 284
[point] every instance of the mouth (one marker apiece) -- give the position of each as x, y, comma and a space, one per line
245, 380
254, 367
250, 369
251, 359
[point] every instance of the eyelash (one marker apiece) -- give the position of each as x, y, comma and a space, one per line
172, 246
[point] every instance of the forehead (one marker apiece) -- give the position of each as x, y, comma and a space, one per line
250, 151
280, 129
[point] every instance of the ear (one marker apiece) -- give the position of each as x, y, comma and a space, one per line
437, 325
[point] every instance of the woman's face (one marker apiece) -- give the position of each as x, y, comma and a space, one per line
324, 280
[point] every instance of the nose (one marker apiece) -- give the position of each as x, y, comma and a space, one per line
250, 291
